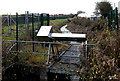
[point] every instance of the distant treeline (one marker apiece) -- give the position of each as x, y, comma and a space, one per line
62, 17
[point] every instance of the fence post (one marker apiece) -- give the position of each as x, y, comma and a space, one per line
17, 32
117, 20
33, 31
48, 20
41, 19
38, 20
16, 58
27, 19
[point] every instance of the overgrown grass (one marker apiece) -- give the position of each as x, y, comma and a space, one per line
58, 23
103, 58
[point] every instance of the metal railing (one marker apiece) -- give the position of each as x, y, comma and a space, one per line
45, 53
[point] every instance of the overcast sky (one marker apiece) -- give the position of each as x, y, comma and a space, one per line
49, 6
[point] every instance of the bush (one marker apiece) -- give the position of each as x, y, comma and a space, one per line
102, 62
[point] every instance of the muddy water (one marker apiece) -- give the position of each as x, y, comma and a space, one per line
22, 73
31, 73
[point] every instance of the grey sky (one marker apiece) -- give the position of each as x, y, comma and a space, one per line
49, 6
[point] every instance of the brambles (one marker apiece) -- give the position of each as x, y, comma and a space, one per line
103, 57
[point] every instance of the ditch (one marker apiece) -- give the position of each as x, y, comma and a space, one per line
21, 72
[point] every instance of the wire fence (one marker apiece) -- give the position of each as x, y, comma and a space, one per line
23, 23
18, 28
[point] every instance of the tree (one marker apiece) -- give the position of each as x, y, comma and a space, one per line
103, 8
